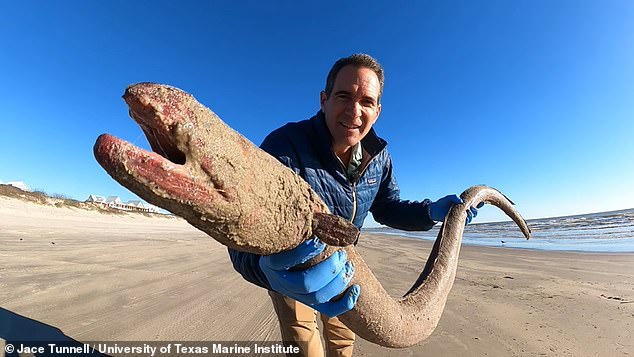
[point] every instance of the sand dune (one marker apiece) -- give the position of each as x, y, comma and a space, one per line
90, 276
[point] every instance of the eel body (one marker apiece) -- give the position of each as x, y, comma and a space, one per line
207, 173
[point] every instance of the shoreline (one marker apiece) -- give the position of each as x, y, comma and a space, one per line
471, 243
129, 278
513, 240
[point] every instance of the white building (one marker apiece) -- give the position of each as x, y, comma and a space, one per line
116, 203
19, 184
96, 199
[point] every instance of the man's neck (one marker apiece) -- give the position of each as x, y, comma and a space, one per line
344, 155
352, 160
345, 158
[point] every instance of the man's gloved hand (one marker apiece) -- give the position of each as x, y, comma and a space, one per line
439, 209
316, 285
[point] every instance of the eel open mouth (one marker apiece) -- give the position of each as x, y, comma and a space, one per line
157, 122
157, 126
159, 111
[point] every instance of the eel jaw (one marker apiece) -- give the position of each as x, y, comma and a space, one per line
149, 175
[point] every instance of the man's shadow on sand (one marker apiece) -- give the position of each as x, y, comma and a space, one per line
17, 329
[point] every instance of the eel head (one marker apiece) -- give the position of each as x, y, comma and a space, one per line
204, 171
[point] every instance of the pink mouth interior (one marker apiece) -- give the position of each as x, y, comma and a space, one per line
157, 132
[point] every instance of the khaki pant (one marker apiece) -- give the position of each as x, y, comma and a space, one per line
298, 324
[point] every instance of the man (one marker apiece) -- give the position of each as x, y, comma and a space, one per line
338, 153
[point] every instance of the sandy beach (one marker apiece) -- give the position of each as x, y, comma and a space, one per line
89, 276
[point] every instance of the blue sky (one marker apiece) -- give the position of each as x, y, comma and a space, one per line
535, 98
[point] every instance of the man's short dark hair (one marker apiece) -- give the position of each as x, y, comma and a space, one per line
359, 60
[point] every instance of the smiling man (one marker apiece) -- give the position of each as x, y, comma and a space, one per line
340, 155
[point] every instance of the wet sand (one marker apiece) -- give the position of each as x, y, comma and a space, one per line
89, 276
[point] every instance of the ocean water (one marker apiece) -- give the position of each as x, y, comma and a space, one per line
596, 232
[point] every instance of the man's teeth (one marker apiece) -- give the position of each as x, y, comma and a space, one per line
350, 126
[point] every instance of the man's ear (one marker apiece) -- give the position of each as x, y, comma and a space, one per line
322, 100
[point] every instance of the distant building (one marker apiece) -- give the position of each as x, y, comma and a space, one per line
19, 184
96, 199
116, 203
137, 203
143, 206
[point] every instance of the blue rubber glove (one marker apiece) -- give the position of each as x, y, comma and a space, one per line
439, 209
316, 285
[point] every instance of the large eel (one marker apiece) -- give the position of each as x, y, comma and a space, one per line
222, 184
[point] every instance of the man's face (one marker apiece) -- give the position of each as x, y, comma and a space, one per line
352, 107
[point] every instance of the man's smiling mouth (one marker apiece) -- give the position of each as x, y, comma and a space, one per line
350, 126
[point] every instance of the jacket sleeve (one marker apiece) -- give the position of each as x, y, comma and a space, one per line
248, 264
390, 210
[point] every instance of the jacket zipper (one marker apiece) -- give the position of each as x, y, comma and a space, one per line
353, 185
354, 188
354, 201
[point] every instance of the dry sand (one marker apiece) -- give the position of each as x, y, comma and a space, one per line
90, 276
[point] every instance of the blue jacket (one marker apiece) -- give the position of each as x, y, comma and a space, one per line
306, 148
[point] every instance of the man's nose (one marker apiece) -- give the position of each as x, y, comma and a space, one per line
354, 109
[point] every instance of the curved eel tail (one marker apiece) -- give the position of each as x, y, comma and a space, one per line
404, 322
